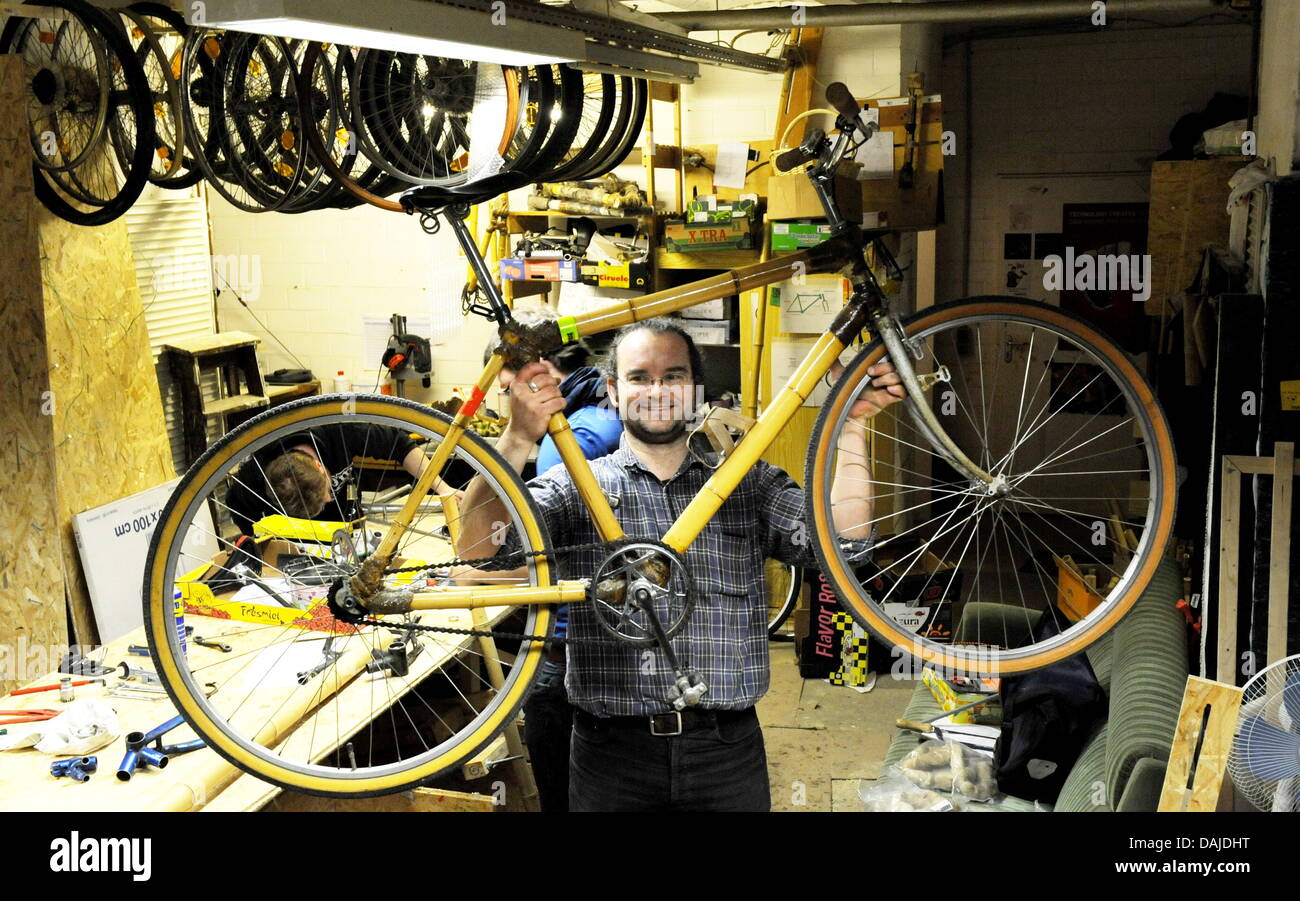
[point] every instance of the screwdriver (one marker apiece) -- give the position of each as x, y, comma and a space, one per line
34, 689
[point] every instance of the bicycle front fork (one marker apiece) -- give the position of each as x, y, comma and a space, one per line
900, 354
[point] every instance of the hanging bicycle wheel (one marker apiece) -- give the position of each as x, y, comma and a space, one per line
433, 120
599, 102
67, 73
325, 77
322, 705
203, 66
633, 97
111, 172
1053, 408
160, 45
259, 109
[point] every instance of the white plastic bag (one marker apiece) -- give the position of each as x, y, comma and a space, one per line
84, 726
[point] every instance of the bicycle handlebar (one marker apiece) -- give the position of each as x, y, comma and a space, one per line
840, 97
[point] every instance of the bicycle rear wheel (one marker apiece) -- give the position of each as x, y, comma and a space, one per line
294, 703
1034, 395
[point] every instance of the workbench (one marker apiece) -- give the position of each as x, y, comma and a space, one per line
202, 779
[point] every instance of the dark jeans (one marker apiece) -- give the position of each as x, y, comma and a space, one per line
625, 768
548, 721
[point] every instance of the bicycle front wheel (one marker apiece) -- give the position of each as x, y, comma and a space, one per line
1041, 399
302, 699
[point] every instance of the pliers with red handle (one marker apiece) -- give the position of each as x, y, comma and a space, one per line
30, 715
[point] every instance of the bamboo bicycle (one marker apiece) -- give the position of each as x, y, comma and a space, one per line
1028, 436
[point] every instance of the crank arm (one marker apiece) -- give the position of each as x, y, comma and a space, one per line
688, 687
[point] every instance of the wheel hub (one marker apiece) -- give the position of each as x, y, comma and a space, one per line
45, 86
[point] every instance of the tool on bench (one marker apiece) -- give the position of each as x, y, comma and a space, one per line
36, 688
136, 692
133, 673
138, 752
30, 715
138, 649
209, 643
78, 768
81, 665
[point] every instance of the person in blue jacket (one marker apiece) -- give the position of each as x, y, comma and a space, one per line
592, 419
548, 716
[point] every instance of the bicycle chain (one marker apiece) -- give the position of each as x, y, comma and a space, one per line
498, 633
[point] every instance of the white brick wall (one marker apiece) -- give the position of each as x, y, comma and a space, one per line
322, 272
1097, 102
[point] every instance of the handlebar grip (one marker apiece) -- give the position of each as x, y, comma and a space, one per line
791, 158
840, 97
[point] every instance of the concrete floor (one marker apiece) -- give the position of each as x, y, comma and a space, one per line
822, 739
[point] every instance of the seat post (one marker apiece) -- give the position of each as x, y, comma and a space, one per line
455, 217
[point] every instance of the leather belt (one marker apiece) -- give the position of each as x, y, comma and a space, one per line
666, 725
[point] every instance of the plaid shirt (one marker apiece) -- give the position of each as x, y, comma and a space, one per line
725, 639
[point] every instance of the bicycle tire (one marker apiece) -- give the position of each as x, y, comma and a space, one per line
1129, 395
215, 718
598, 106
630, 131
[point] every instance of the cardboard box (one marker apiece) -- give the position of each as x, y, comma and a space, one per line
709, 209
709, 332
788, 236
924, 600
629, 276
791, 196
718, 308
817, 641
533, 270
691, 237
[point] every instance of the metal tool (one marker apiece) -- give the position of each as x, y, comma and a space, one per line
980, 702
209, 643
132, 693
30, 715
132, 673
81, 665
138, 650
37, 688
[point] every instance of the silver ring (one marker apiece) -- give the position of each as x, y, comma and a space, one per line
533, 385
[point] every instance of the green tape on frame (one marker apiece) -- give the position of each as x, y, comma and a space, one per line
568, 328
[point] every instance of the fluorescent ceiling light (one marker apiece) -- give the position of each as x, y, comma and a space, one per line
406, 26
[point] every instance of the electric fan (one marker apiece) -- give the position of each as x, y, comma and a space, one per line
1265, 759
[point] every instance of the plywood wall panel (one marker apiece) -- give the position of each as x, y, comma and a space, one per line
110, 438
31, 578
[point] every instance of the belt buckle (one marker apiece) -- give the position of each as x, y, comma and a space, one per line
654, 731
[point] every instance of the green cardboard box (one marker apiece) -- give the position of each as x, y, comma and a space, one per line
788, 236
700, 237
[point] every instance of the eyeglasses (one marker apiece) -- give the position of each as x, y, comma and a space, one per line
671, 380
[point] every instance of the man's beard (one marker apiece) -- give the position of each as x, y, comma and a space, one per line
638, 431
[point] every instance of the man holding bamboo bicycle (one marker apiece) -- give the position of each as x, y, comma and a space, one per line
630, 750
